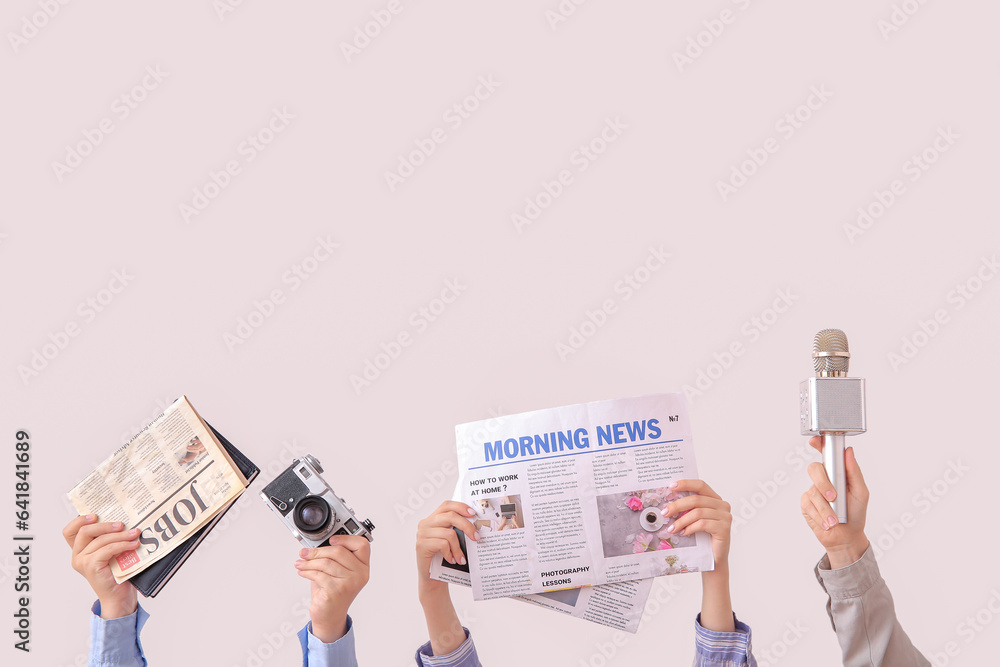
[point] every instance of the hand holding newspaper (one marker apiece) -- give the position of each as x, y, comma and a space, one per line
571, 496
170, 479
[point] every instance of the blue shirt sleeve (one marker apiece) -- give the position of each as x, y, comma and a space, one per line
115, 642
464, 656
338, 654
723, 649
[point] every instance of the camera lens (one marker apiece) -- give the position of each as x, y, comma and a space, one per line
311, 514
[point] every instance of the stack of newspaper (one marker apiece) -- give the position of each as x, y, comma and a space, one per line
568, 506
169, 480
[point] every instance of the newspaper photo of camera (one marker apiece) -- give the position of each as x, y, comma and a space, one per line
309, 507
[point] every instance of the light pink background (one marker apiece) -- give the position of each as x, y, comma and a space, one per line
287, 390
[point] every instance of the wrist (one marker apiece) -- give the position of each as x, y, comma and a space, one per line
329, 626
722, 561
432, 592
112, 609
721, 565
847, 554
718, 576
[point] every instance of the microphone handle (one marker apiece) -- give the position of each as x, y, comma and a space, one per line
833, 460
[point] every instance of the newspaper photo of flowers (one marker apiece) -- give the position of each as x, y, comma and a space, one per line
632, 523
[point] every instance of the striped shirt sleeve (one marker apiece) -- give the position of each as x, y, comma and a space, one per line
116, 641
723, 649
464, 656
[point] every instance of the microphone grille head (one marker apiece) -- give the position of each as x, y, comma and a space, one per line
831, 355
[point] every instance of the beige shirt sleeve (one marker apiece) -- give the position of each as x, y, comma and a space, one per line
863, 616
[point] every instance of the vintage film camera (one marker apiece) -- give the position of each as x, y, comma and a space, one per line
310, 507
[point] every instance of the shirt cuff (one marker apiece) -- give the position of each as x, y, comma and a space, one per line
849, 582
464, 656
337, 654
115, 642
723, 647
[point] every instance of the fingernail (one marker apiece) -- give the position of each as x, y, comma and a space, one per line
471, 511
333, 540
672, 485
831, 521
475, 536
461, 560
134, 543
118, 524
91, 517
134, 531
671, 528
831, 494
304, 553
298, 563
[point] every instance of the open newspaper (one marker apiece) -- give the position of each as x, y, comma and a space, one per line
617, 606
571, 496
169, 480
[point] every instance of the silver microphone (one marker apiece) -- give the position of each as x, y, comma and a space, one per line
833, 406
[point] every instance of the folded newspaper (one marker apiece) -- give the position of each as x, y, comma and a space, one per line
617, 606
169, 480
571, 496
